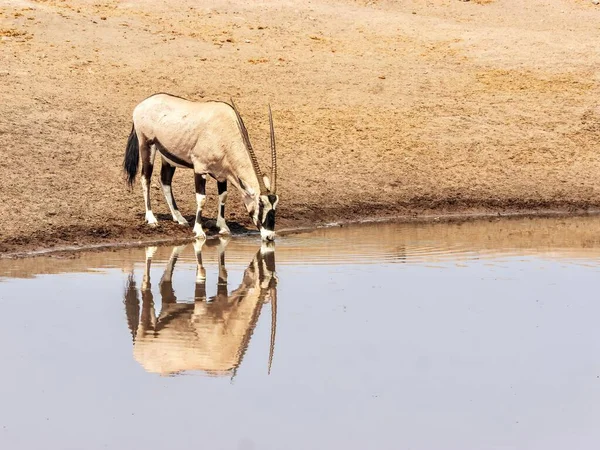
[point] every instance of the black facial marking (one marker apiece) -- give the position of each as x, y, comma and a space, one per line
269, 222
261, 207
170, 156
272, 198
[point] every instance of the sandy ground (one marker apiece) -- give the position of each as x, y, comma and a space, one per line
381, 108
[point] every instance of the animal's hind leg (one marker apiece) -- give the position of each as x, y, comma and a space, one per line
147, 155
200, 182
166, 178
221, 224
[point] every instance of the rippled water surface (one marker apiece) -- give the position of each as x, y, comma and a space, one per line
480, 335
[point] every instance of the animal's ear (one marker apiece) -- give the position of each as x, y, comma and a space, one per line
267, 182
247, 189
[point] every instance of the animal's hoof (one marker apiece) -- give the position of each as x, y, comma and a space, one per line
153, 224
180, 219
225, 232
199, 232
151, 219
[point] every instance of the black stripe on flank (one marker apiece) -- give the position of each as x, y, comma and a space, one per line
170, 156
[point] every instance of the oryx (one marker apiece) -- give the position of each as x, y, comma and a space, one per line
211, 138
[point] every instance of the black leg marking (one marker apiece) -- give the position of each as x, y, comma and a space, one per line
166, 173
222, 186
166, 178
147, 168
200, 182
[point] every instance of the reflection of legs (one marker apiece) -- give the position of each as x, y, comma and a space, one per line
148, 317
200, 291
150, 251
166, 178
200, 181
222, 283
147, 155
132, 305
166, 282
221, 224
168, 274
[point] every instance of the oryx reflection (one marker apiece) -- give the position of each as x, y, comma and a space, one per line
209, 335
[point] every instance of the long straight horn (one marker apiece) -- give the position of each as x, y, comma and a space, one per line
273, 155
248, 145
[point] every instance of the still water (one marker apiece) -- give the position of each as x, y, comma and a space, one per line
480, 335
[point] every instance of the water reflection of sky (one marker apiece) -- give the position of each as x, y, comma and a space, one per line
469, 354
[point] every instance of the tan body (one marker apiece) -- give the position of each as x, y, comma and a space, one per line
211, 139
205, 135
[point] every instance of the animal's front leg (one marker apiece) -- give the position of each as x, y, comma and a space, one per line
200, 182
221, 224
147, 166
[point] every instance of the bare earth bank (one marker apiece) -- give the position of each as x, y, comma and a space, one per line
382, 109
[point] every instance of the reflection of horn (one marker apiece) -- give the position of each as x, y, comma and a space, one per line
250, 150
267, 256
273, 326
273, 155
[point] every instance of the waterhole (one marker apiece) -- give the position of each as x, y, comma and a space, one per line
475, 335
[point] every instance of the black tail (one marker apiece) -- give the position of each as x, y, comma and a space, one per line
132, 157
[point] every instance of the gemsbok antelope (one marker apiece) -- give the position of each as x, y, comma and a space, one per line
211, 139
209, 335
